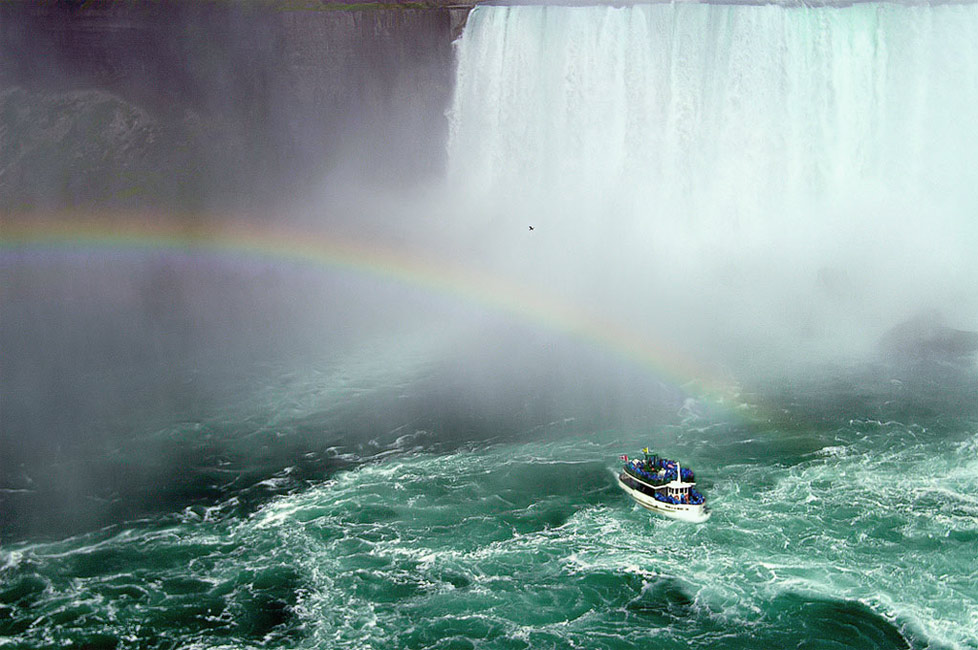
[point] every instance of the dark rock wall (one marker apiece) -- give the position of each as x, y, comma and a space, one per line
213, 104
178, 109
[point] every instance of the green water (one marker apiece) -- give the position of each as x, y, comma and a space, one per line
814, 183
832, 528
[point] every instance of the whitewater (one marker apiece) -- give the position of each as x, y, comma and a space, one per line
800, 175
861, 536
742, 181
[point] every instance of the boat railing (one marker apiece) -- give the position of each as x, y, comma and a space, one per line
694, 499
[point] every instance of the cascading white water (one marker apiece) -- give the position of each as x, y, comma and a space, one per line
790, 154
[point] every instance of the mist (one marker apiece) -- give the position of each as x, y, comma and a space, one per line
780, 193
741, 222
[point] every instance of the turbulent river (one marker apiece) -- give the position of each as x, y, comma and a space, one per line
847, 528
733, 183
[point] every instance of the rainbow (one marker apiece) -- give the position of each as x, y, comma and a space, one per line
393, 265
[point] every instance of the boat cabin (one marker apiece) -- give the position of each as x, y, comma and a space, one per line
679, 491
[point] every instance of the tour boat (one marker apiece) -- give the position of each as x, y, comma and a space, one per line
663, 486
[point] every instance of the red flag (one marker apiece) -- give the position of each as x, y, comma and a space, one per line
623, 457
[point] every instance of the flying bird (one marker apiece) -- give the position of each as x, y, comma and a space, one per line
531, 227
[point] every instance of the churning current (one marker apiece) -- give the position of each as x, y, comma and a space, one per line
784, 178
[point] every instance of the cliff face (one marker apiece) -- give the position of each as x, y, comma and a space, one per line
161, 103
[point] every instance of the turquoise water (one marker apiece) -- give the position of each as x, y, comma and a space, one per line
218, 459
841, 530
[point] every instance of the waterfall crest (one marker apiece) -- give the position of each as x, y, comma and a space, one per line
695, 104
833, 142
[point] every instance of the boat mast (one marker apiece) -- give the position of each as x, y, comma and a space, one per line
679, 478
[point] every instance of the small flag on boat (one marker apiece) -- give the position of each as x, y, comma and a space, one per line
623, 457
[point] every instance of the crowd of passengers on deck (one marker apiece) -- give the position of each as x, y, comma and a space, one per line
695, 498
639, 468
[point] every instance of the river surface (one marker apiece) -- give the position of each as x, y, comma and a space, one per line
848, 521
218, 441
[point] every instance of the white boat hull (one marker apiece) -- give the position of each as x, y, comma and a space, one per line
683, 511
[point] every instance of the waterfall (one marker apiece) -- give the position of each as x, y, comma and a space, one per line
831, 151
